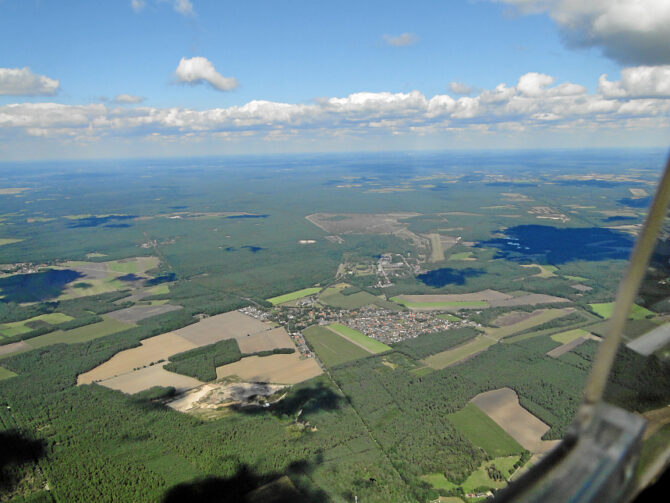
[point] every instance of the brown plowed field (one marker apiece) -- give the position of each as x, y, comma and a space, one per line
502, 405
280, 369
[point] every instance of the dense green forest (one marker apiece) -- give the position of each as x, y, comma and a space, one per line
429, 344
201, 362
226, 235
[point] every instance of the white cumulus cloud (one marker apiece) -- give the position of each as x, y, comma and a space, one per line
640, 101
534, 84
638, 81
629, 31
460, 88
402, 40
23, 82
199, 70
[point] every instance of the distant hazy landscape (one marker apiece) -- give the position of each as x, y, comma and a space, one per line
392, 327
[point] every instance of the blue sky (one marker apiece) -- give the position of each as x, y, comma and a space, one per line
167, 77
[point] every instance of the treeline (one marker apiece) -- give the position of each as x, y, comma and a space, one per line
97, 304
429, 344
487, 316
407, 413
636, 383
156, 393
103, 445
84, 310
201, 363
564, 321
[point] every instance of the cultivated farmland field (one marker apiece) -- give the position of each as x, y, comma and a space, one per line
134, 314
278, 369
333, 297
231, 325
264, 341
442, 306
331, 348
358, 338
538, 317
145, 378
480, 478
81, 334
570, 335
127, 370
14, 347
454, 302
605, 309
19, 327
451, 356
151, 350
502, 405
483, 432
299, 294
5, 374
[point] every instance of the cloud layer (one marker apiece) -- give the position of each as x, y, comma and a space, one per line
23, 82
632, 32
199, 70
534, 104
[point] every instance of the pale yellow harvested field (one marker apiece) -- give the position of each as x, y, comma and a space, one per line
511, 318
280, 369
232, 325
485, 295
14, 347
502, 405
152, 349
265, 341
147, 377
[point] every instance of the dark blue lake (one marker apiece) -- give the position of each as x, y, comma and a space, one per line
165, 278
248, 216
641, 202
97, 221
619, 219
553, 245
130, 277
447, 276
36, 287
